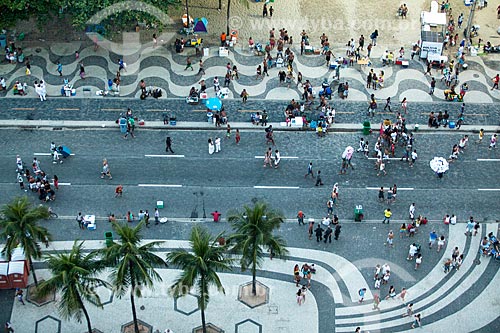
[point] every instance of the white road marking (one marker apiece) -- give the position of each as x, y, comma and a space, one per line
488, 160
159, 185
278, 187
62, 184
399, 188
164, 155
488, 189
283, 157
46, 154
389, 158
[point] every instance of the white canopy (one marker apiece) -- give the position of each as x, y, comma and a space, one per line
4, 267
16, 267
433, 18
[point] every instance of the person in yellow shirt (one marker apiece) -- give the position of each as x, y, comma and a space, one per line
387, 215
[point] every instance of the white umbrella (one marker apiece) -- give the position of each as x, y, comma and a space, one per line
439, 165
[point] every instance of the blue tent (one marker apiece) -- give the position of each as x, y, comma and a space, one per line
200, 25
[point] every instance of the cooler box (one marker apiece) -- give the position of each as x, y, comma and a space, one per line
203, 96
159, 204
405, 63
451, 124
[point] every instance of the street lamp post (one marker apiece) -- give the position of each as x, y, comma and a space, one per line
470, 19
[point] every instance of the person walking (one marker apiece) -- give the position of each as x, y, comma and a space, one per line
168, 144
319, 233
376, 302
189, 64
337, 231
300, 217
277, 158
328, 234
119, 191
309, 170
19, 296
496, 80
388, 104
417, 321
319, 182
432, 86
268, 157
157, 216
146, 218
201, 70
59, 68
361, 293
105, 169
217, 144
244, 96
237, 136
79, 219
381, 193
409, 310
387, 215
311, 228
390, 239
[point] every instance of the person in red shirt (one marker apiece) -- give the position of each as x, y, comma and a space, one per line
216, 216
300, 217
496, 79
223, 38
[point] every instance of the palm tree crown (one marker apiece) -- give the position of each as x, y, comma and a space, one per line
19, 227
200, 267
253, 231
74, 274
133, 264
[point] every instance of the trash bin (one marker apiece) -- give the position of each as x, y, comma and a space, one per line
123, 125
358, 213
3, 40
210, 117
366, 127
417, 126
109, 238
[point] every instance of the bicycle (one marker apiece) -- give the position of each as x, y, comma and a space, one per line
52, 214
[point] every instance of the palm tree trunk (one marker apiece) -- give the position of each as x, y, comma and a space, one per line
87, 317
132, 299
202, 305
33, 271
228, 15
254, 274
187, 13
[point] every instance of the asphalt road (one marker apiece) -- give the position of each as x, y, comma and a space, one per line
229, 179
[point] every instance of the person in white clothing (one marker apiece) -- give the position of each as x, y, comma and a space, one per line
277, 158
411, 211
38, 90
211, 146
217, 144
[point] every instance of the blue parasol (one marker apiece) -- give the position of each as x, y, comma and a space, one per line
213, 104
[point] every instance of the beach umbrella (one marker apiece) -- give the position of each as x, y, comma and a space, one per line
213, 104
439, 165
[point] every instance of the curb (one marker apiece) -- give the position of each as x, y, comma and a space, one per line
158, 125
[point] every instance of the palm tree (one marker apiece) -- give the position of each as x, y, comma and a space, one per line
19, 227
253, 229
133, 264
200, 267
245, 2
74, 274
